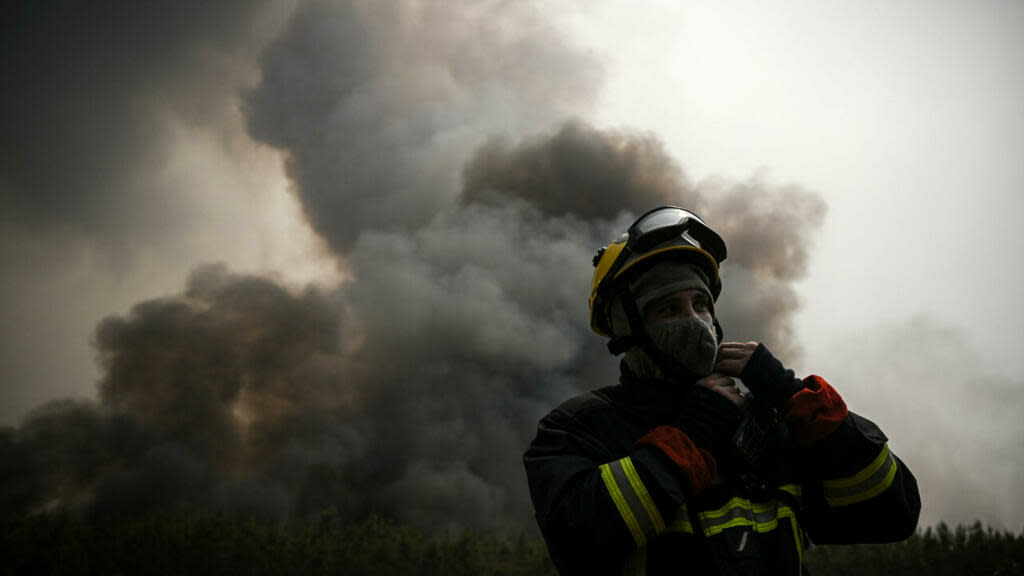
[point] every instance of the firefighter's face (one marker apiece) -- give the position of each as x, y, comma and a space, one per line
681, 325
677, 306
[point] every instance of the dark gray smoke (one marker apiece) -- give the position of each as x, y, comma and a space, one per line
378, 103
86, 85
580, 170
769, 232
598, 175
100, 200
426, 146
211, 399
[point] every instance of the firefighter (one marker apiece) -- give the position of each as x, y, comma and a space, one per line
676, 469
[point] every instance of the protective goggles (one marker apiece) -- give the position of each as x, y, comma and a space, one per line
668, 224
661, 231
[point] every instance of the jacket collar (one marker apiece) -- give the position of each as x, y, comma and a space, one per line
658, 393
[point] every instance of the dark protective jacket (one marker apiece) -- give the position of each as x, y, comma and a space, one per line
607, 504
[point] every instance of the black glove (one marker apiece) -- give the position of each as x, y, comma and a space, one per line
710, 420
768, 379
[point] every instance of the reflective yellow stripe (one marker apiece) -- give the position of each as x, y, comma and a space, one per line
645, 498
874, 479
799, 545
620, 504
863, 474
874, 490
729, 506
761, 516
681, 522
632, 499
783, 512
795, 490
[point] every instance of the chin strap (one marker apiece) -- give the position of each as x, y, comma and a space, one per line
619, 345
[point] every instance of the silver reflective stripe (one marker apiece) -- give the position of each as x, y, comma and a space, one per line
736, 514
632, 500
766, 516
641, 492
621, 505
871, 481
760, 516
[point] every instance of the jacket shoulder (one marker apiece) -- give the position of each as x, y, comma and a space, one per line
599, 400
587, 424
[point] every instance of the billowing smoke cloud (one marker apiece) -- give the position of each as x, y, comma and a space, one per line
920, 380
581, 171
769, 232
378, 103
426, 145
89, 88
123, 155
210, 399
600, 175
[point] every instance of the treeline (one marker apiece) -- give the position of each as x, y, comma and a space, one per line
213, 544
938, 551
208, 544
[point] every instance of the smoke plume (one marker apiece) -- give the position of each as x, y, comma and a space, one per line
91, 87
378, 103
966, 467
582, 171
428, 146
123, 155
769, 232
207, 401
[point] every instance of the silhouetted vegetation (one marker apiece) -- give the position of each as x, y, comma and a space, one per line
209, 544
938, 551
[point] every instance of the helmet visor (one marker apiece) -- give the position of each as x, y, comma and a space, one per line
669, 224
663, 217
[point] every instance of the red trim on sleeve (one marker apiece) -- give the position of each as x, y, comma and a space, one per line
814, 412
697, 464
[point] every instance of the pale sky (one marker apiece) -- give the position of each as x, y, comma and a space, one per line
908, 119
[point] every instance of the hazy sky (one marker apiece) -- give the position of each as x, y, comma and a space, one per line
908, 119
142, 142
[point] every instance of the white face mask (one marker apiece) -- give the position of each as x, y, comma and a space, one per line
690, 341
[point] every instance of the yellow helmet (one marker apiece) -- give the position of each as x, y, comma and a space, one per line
664, 231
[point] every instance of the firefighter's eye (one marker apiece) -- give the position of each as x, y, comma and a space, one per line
701, 304
670, 308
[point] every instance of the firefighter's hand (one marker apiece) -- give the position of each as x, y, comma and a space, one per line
733, 357
709, 419
724, 385
762, 374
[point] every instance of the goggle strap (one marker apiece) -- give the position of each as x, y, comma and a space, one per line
604, 289
619, 344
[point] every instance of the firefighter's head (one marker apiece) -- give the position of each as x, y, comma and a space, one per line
654, 291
